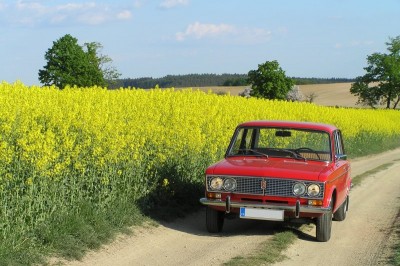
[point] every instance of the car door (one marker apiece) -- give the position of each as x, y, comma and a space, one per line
342, 168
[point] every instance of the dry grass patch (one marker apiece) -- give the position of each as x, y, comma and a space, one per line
334, 94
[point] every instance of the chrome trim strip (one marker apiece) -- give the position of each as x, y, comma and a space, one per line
284, 207
339, 176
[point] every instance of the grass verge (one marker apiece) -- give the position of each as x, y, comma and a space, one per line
69, 236
356, 180
268, 252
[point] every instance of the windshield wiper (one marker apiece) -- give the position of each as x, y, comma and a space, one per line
295, 154
255, 151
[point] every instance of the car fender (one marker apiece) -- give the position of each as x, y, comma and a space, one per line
329, 192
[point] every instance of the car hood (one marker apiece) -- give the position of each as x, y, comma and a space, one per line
271, 167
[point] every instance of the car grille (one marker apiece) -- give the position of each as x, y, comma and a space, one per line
273, 186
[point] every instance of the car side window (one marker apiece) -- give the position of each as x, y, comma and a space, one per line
338, 143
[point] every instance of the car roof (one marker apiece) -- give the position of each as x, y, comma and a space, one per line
289, 124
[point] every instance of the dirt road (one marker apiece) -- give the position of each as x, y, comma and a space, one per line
359, 240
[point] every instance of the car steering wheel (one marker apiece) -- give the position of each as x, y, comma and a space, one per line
298, 150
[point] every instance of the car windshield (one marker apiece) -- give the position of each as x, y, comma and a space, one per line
281, 142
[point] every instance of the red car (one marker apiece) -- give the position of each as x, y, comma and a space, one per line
279, 171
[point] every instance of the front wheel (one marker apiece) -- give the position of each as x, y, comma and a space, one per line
214, 220
341, 212
324, 226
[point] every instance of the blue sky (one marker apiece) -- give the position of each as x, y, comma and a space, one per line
155, 38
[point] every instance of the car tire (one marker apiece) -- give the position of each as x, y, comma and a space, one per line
341, 212
214, 220
324, 226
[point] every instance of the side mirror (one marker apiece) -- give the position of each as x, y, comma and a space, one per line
339, 157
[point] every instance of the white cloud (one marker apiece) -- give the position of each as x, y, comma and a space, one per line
92, 18
173, 3
58, 19
37, 7
338, 45
253, 35
198, 30
2, 6
124, 15
73, 7
32, 13
138, 3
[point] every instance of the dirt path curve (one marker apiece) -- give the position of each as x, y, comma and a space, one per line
356, 241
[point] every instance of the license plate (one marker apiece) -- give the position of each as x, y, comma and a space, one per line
261, 214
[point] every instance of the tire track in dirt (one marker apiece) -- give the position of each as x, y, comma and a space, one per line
184, 242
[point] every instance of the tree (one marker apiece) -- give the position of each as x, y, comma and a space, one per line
68, 63
269, 81
381, 83
103, 62
93, 74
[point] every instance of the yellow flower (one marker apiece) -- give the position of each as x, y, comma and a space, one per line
165, 182
28, 181
68, 138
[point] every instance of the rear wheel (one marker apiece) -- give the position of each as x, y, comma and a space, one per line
341, 212
324, 226
214, 220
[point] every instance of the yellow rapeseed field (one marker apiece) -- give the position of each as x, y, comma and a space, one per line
62, 147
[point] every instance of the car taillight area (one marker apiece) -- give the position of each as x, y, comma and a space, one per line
264, 186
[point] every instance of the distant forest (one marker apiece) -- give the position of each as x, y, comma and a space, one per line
203, 80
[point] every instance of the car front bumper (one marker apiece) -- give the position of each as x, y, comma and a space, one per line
296, 209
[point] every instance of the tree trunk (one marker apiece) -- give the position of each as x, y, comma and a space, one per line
397, 102
388, 100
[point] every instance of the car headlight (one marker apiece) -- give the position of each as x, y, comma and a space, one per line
230, 184
299, 189
313, 190
216, 183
